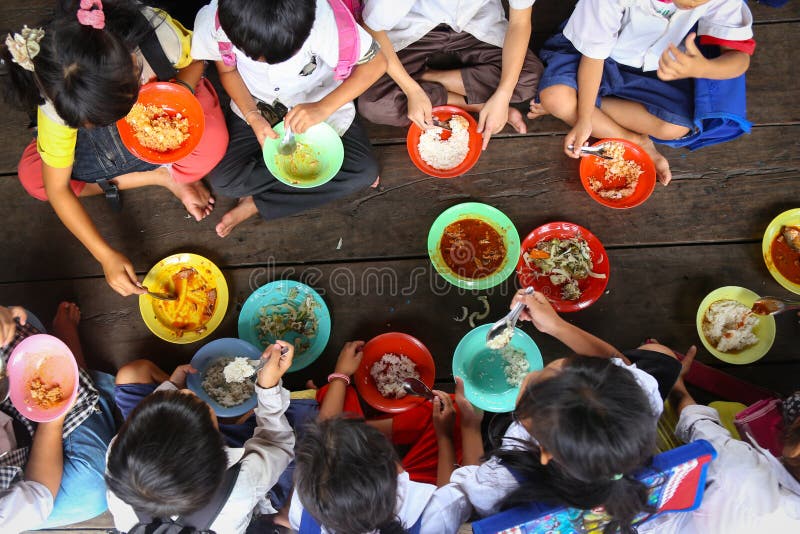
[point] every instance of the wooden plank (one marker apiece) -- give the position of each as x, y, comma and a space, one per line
652, 292
101, 523
738, 187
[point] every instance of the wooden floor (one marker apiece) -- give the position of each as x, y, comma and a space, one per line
701, 232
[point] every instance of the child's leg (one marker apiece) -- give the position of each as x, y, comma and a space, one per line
635, 117
65, 328
135, 381
658, 361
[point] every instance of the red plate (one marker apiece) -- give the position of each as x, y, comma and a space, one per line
397, 343
592, 167
445, 113
175, 99
591, 288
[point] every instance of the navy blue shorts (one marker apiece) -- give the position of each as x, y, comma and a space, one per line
671, 101
663, 368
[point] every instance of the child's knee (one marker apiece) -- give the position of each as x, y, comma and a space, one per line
559, 100
657, 347
670, 131
137, 372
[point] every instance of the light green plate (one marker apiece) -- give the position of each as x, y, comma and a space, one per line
488, 214
318, 158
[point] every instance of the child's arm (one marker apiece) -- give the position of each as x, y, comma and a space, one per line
233, 84
679, 397
540, 312
192, 73
8, 325
46, 462
675, 65
118, 269
347, 364
471, 437
420, 108
444, 419
303, 116
590, 72
494, 114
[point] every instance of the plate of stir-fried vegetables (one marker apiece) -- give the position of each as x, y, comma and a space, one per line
289, 311
565, 262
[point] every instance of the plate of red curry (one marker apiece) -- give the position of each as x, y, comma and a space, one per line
781, 249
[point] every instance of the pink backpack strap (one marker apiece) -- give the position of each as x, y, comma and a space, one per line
225, 47
349, 41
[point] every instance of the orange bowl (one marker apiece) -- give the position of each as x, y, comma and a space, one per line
591, 288
174, 99
445, 113
397, 343
592, 167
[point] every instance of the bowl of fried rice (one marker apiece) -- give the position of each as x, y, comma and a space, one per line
624, 181
164, 125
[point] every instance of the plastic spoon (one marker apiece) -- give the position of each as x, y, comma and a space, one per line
509, 321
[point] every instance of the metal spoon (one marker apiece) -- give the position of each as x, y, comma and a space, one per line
773, 306
259, 364
288, 144
418, 388
161, 296
4, 387
599, 151
445, 125
509, 321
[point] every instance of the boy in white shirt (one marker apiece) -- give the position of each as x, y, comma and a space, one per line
493, 65
617, 70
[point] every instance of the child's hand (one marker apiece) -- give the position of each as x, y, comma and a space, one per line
444, 414
420, 109
8, 327
303, 116
261, 128
178, 376
676, 65
577, 137
492, 117
471, 416
349, 358
277, 363
538, 310
120, 274
687, 362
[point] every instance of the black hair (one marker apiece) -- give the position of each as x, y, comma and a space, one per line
596, 422
168, 458
268, 30
346, 477
89, 74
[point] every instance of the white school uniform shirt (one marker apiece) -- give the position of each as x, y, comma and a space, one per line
747, 490
443, 510
634, 33
486, 485
264, 457
407, 21
283, 81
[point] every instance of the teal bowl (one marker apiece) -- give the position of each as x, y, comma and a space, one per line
318, 157
481, 368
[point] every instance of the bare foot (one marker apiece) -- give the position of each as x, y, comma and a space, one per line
516, 121
376, 183
310, 384
537, 110
243, 211
196, 198
663, 173
65, 328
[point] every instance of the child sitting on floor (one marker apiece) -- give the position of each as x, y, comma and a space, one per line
349, 478
582, 426
170, 458
82, 73
616, 70
282, 54
492, 64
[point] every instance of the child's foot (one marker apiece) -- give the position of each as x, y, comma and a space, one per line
376, 183
516, 121
663, 173
196, 198
537, 110
310, 384
65, 328
243, 211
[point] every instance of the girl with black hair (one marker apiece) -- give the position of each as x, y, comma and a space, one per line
583, 426
81, 73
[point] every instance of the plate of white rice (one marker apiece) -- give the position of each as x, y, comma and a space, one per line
445, 153
389, 373
228, 399
729, 330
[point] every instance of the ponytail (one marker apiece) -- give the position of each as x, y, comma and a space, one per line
19, 89
392, 527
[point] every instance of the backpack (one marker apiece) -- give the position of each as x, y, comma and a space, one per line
198, 522
346, 13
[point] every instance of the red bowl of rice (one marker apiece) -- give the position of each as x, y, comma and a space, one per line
611, 188
474, 144
393, 343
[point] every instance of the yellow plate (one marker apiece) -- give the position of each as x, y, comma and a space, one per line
791, 218
160, 279
764, 330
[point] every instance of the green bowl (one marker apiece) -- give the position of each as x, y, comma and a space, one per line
323, 146
488, 214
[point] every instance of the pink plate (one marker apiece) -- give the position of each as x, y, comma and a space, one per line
48, 358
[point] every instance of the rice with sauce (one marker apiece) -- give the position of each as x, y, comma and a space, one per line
728, 325
617, 169
156, 129
224, 393
389, 373
448, 153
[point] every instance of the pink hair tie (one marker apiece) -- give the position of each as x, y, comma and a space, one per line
92, 17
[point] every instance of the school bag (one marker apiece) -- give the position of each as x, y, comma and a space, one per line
198, 522
346, 13
309, 525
